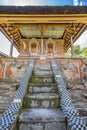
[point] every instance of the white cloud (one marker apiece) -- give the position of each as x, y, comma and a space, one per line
5, 2
5, 46
76, 3
15, 52
82, 40
22, 2
25, 2
81, 3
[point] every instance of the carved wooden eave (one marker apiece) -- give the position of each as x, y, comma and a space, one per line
74, 19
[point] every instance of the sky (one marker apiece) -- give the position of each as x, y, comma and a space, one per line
82, 40
44, 2
5, 44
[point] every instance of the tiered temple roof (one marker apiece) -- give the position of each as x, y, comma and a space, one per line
56, 22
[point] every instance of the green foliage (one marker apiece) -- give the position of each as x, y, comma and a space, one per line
78, 52
84, 52
68, 54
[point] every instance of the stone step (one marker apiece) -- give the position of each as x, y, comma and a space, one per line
42, 79
85, 118
83, 113
42, 119
8, 86
43, 84
5, 102
80, 104
7, 92
5, 98
38, 76
4, 88
41, 100
42, 72
43, 96
0, 115
43, 65
42, 69
3, 107
42, 88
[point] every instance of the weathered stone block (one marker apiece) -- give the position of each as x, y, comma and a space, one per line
42, 100
41, 72
42, 79
45, 103
29, 126
55, 126
42, 88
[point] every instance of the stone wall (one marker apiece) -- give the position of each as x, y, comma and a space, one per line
13, 69
74, 72
73, 69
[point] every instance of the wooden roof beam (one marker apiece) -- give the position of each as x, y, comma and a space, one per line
79, 32
5, 33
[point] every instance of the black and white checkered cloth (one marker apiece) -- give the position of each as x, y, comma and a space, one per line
10, 115
74, 120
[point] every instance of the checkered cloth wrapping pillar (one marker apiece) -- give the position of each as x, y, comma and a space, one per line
74, 120
10, 115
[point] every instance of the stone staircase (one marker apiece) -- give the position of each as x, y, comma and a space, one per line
41, 109
7, 92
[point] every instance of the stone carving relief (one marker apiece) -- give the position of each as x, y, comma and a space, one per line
33, 46
50, 46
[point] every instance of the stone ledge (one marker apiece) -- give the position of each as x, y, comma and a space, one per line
43, 96
41, 115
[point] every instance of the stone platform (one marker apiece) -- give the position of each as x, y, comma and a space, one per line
42, 119
41, 104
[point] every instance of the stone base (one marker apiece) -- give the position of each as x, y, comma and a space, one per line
42, 119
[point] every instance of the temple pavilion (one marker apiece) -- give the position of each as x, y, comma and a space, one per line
48, 94
38, 31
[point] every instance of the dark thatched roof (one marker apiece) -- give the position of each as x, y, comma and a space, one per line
43, 10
